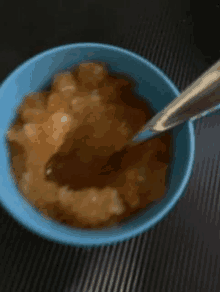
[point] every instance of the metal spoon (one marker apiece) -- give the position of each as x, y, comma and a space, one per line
199, 99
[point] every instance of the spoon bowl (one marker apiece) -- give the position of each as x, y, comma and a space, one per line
153, 86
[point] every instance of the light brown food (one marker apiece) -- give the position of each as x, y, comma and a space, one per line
62, 139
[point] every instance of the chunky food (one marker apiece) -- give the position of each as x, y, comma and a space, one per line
63, 137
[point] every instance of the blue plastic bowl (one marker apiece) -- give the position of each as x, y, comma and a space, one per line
153, 85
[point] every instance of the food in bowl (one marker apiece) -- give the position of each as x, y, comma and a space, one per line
62, 138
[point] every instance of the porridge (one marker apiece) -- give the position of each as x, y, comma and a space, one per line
63, 137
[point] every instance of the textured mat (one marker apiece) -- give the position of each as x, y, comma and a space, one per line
182, 253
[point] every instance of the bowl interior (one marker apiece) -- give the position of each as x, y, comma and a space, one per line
152, 85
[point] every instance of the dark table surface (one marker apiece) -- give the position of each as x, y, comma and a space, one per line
182, 252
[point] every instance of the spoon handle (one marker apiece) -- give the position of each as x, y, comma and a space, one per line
199, 99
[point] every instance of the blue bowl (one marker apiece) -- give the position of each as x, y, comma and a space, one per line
152, 84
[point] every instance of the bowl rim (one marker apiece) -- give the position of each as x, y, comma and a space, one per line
97, 241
